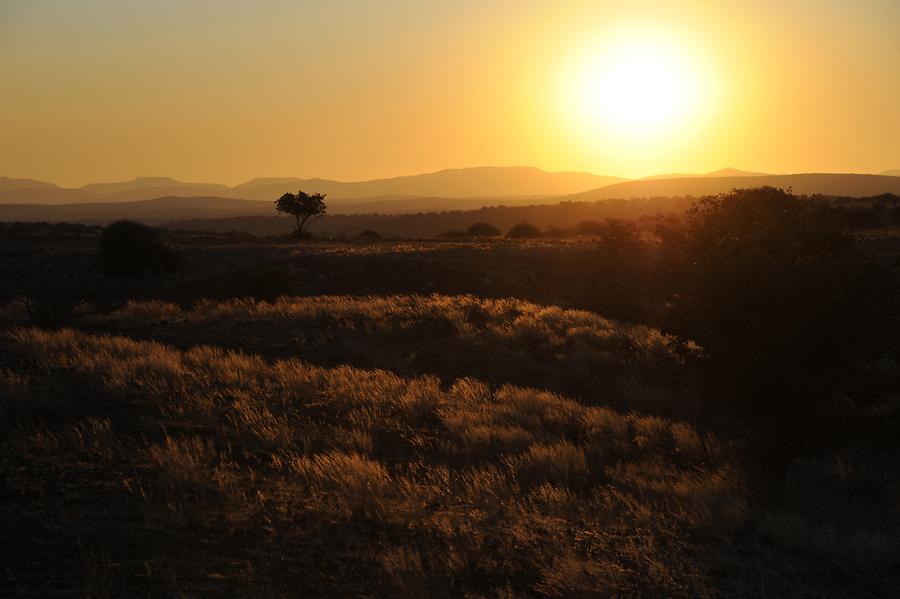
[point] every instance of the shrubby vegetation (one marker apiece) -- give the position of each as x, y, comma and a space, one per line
483, 230
369, 236
787, 308
128, 248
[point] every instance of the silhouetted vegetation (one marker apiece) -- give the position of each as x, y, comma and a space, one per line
786, 307
128, 248
483, 230
306, 208
369, 236
524, 231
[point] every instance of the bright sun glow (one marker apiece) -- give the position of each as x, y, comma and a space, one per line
635, 87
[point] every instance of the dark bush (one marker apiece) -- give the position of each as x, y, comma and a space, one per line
618, 237
128, 248
785, 306
524, 231
369, 236
483, 230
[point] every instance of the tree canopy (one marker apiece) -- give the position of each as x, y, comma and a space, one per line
304, 207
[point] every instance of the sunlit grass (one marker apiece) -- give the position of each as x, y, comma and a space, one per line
496, 484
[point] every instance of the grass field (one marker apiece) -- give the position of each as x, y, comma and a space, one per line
402, 441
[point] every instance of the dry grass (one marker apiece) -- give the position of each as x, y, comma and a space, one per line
572, 352
430, 489
409, 445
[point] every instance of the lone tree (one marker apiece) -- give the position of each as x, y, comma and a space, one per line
304, 207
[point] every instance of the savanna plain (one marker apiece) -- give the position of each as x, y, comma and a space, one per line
697, 406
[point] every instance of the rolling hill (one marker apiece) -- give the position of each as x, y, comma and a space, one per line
724, 172
476, 182
148, 211
466, 182
8, 183
851, 185
146, 188
156, 200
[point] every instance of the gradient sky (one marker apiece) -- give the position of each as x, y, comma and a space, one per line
207, 90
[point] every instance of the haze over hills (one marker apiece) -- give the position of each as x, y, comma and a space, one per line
892, 173
152, 185
454, 183
7, 183
725, 172
170, 200
851, 185
460, 183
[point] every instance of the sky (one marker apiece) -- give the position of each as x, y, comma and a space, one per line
204, 90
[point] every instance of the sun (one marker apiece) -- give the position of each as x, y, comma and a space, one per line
634, 87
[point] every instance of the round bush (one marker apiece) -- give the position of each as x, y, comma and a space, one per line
524, 231
128, 248
483, 230
369, 236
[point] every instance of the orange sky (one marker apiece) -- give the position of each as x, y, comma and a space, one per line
225, 91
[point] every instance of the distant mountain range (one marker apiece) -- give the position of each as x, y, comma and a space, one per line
804, 184
454, 183
160, 199
725, 172
152, 211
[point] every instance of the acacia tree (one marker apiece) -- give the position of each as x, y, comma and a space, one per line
304, 207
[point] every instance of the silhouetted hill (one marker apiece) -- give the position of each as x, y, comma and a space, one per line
806, 184
733, 172
7, 183
46, 195
412, 204
521, 183
725, 172
29, 191
38, 192
144, 188
149, 211
466, 182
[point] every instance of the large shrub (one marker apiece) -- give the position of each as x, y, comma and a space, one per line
369, 236
128, 248
785, 305
483, 230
